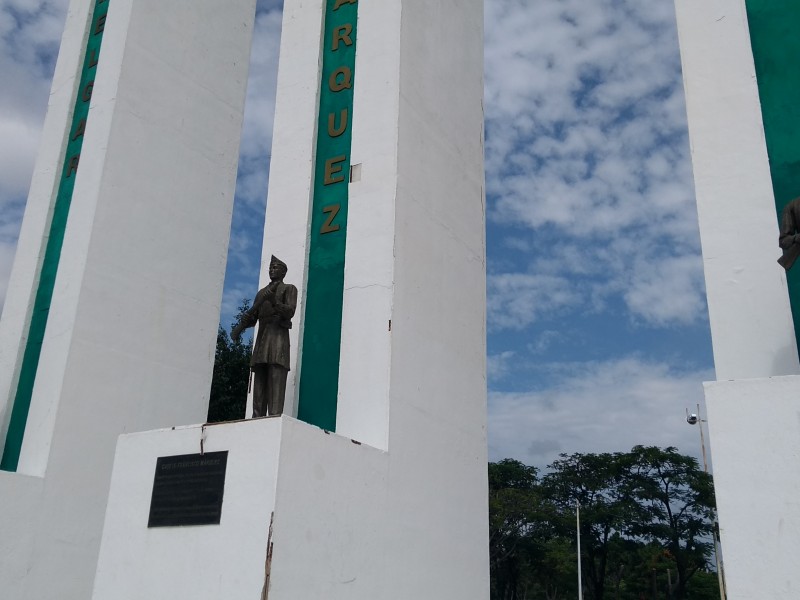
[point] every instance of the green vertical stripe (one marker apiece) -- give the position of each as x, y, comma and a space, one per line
322, 323
774, 27
55, 239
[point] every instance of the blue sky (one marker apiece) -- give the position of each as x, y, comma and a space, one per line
598, 327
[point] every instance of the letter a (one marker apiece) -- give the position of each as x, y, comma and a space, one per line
79, 130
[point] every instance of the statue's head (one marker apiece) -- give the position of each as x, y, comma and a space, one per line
277, 269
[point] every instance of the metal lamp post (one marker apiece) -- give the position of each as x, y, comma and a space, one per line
578, 533
694, 419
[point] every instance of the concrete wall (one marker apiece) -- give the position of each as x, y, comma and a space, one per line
748, 302
22, 497
132, 326
338, 532
754, 428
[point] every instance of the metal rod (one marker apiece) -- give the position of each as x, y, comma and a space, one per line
578, 528
717, 559
702, 440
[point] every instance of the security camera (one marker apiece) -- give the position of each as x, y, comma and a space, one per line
691, 419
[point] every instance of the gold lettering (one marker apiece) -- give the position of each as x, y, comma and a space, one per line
332, 211
333, 170
79, 130
92, 58
340, 2
334, 131
345, 83
72, 166
101, 25
342, 34
87, 91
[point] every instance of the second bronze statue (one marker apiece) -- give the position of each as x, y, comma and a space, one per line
273, 309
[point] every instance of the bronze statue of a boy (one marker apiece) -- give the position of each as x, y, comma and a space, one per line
273, 309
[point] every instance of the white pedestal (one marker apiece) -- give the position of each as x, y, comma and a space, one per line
348, 522
754, 427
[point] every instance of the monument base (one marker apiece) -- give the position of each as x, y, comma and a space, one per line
754, 426
311, 497
305, 514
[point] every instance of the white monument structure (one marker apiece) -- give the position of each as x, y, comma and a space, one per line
373, 483
740, 81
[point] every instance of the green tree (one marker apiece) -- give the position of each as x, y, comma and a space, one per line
678, 499
597, 482
231, 375
646, 521
529, 558
512, 497
556, 571
703, 586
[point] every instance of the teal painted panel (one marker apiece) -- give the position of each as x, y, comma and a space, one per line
322, 323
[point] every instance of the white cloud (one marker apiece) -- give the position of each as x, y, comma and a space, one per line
251, 186
497, 365
587, 149
29, 37
515, 300
30, 32
16, 158
604, 406
669, 291
244, 252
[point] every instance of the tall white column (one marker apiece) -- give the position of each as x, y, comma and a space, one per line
129, 343
748, 303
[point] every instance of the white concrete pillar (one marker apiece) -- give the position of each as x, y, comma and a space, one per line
752, 330
130, 336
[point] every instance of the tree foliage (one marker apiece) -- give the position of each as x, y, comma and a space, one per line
231, 375
678, 499
646, 524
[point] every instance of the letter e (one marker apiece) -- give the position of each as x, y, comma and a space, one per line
333, 169
101, 25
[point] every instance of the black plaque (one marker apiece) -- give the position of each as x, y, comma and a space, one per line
188, 490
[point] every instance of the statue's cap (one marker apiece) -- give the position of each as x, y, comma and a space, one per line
276, 262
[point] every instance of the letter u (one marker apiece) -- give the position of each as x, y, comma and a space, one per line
334, 131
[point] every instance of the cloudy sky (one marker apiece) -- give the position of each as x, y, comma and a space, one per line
598, 327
